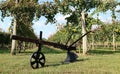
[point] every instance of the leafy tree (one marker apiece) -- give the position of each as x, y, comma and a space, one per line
77, 10
105, 34
24, 12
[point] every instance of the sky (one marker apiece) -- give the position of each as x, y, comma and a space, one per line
50, 29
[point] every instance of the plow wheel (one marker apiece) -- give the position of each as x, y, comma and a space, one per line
37, 60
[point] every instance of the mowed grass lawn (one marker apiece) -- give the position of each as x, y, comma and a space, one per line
96, 62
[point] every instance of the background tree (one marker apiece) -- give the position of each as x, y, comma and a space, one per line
105, 7
79, 8
24, 12
4, 39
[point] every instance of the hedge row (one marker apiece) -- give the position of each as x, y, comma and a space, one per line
4, 39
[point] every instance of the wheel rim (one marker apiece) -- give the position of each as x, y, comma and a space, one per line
37, 60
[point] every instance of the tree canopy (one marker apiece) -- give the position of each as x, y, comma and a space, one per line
25, 11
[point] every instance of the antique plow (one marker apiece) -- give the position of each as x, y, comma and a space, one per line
38, 59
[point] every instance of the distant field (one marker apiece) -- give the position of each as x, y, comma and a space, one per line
96, 62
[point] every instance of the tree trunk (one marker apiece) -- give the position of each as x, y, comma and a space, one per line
114, 45
13, 52
14, 41
93, 41
84, 39
108, 45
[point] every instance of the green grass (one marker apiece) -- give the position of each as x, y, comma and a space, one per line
96, 62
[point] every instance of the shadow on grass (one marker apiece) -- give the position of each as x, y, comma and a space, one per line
103, 52
62, 63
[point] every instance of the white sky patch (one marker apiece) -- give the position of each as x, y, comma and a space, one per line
46, 29
2, 0
61, 18
4, 28
5, 24
48, 34
94, 26
38, 24
105, 19
102, 18
117, 8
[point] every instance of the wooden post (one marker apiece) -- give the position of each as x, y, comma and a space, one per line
40, 38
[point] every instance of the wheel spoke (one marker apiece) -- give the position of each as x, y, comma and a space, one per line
37, 65
41, 58
41, 63
33, 62
34, 57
